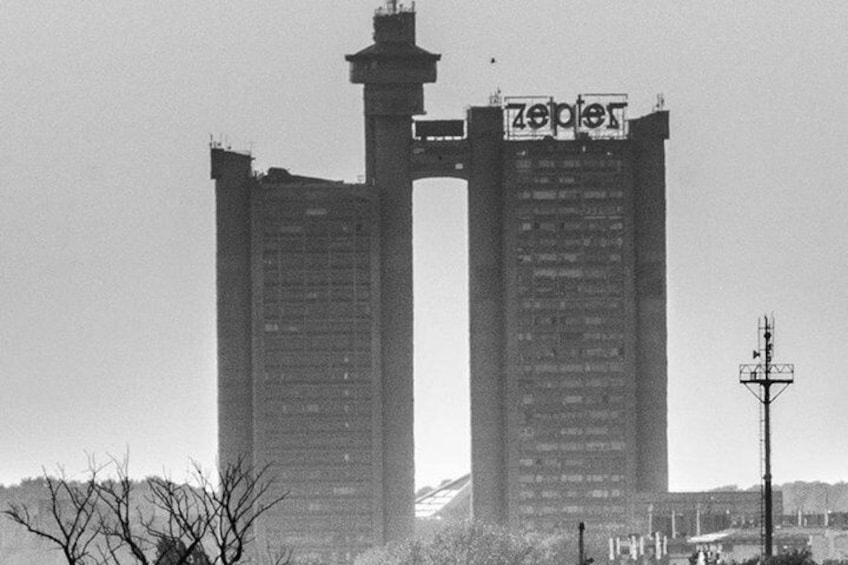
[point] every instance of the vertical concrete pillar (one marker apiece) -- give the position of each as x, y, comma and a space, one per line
233, 181
486, 315
393, 71
649, 134
392, 180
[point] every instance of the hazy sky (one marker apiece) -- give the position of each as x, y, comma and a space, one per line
107, 300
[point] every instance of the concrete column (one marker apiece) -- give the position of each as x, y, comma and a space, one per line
233, 181
486, 316
649, 134
390, 159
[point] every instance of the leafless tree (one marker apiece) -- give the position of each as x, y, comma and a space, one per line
71, 521
123, 525
116, 521
242, 496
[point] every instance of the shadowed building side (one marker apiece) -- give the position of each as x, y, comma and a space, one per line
233, 181
649, 134
486, 315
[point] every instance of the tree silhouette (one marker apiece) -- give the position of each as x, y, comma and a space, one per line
157, 521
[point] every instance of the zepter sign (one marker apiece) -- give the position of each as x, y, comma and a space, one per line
597, 115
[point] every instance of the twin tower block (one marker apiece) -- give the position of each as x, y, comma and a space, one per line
567, 336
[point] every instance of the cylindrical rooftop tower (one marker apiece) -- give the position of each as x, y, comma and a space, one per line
393, 71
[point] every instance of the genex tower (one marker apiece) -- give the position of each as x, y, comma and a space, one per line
567, 298
393, 71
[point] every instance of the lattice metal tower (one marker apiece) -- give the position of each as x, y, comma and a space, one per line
759, 378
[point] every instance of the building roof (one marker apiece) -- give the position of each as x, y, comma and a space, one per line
392, 50
750, 535
448, 501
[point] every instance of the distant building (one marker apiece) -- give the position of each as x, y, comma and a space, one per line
736, 545
567, 270
448, 504
686, 514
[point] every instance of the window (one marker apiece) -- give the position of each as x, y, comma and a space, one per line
544, 194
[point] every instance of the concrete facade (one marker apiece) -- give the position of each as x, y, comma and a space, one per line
567, 316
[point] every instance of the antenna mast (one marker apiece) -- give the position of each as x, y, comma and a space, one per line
759, 379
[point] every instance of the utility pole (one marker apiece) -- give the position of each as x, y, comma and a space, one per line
759, 378
581, 547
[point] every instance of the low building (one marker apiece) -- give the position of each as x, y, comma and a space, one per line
684, 514
743, 544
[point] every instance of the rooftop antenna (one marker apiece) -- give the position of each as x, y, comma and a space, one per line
495, 98
759, 379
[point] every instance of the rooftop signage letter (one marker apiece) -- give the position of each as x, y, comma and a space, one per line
598, 115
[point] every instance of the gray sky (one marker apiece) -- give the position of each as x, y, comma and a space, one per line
106, 208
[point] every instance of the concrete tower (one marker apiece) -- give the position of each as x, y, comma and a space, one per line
393, 71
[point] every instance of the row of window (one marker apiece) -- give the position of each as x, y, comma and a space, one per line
570, 194
574, 367
346, 312
529, 432
543, 337
587, 164
571, 289
574, 509
286, 264
310, 490
573, 382
540, 320
569, 353
328, 458
311, 243
567, 398
274, 252
541, 274
341, 328
557, 463
571, 257
332, 423
326, 406
531, 228
575, 446
297, 358
346, 277
278, 442
582, 216
322, 391
574, 415
550, 494
585, 305
321, 291
293, 472
546, 400
293, 225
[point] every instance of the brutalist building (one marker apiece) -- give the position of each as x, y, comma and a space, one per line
567, 268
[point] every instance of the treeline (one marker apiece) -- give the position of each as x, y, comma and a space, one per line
808, 497
108, 519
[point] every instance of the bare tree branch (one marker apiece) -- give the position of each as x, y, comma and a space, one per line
120, 529
72, 525
117, 521
242, 497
